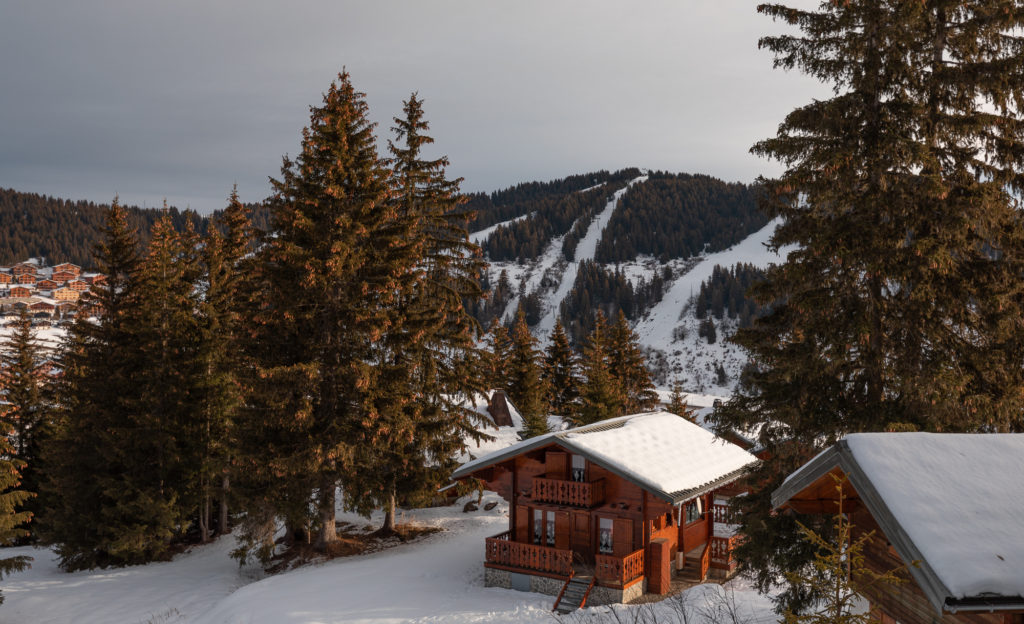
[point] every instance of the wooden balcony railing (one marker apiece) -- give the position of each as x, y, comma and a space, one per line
502, 550
722, 514
721, 551
562, 492
620, 570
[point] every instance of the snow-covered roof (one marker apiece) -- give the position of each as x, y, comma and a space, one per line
953, 502
658, 451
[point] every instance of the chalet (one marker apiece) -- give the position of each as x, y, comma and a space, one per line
67, 267
78, 285
6, 278
950, 504
46, 284
65, 294
21, 291
95, 278
24, 268
615, 508
63, 276
43, 306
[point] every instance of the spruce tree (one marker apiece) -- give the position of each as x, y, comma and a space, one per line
221, 311
526, 388
497, 356
900, 304
600, 394
324, 292
94, 400
416, 420
26, 391
629, 368
560, 372
677, 403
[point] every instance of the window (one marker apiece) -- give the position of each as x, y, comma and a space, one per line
693, 511
579, 468
543, 527
604, 536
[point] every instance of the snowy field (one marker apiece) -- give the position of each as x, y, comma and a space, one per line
436, 579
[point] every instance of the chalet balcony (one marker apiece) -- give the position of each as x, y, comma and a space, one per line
618, 571
502, 551
574, 493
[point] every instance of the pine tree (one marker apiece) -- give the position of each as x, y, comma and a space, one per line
600, 396
95, 396
497, 356
26, 392
416, 421
324, 291
526, 388
900, 305
221, 310
677, 403
560, 372
629, 368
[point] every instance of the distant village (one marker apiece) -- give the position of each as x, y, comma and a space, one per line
52, 294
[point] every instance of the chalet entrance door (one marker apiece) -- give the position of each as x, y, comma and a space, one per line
581, 542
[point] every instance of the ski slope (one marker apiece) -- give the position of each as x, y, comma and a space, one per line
585, 250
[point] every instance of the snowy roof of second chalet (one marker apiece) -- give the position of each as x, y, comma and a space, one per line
664, 454
953, 502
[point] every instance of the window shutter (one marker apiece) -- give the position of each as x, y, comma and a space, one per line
556, 464
522, 524
562, 530
622, 537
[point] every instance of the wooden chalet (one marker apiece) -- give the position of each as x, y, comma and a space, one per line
26, 278
78, 285
6, 278
24, 268
63, 276
67, 267
616, 508
21, 291
46, 284
94, 279
952, 505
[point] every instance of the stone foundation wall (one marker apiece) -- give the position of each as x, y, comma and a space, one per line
551, 587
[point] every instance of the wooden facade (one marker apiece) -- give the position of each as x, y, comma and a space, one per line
25, 268
67, 267
6, 278
63, 276
21, 291
66, 294
569, 515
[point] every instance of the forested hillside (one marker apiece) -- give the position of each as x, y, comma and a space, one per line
680, 215
64, 230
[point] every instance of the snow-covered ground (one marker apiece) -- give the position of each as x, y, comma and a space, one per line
436, 579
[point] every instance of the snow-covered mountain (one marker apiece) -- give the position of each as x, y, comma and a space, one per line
669, 329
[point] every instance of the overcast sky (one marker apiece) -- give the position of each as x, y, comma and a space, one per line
179, 100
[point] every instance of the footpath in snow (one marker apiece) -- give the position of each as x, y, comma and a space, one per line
438, 579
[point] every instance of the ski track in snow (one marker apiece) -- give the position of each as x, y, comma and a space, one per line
480, 236
585, 250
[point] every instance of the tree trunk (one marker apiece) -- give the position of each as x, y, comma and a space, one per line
389, 517
204, 519
328, 533
225, 487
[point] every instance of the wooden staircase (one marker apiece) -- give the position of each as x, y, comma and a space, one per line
692, 572
574, 594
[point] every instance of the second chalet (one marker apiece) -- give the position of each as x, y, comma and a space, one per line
609, 511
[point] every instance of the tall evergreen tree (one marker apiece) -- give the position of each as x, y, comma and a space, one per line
900, 304
325, 288
416, 419
560, 372
26, 391
497, 356
629, 368
526, 387
94, 398
600, 396
221, 310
